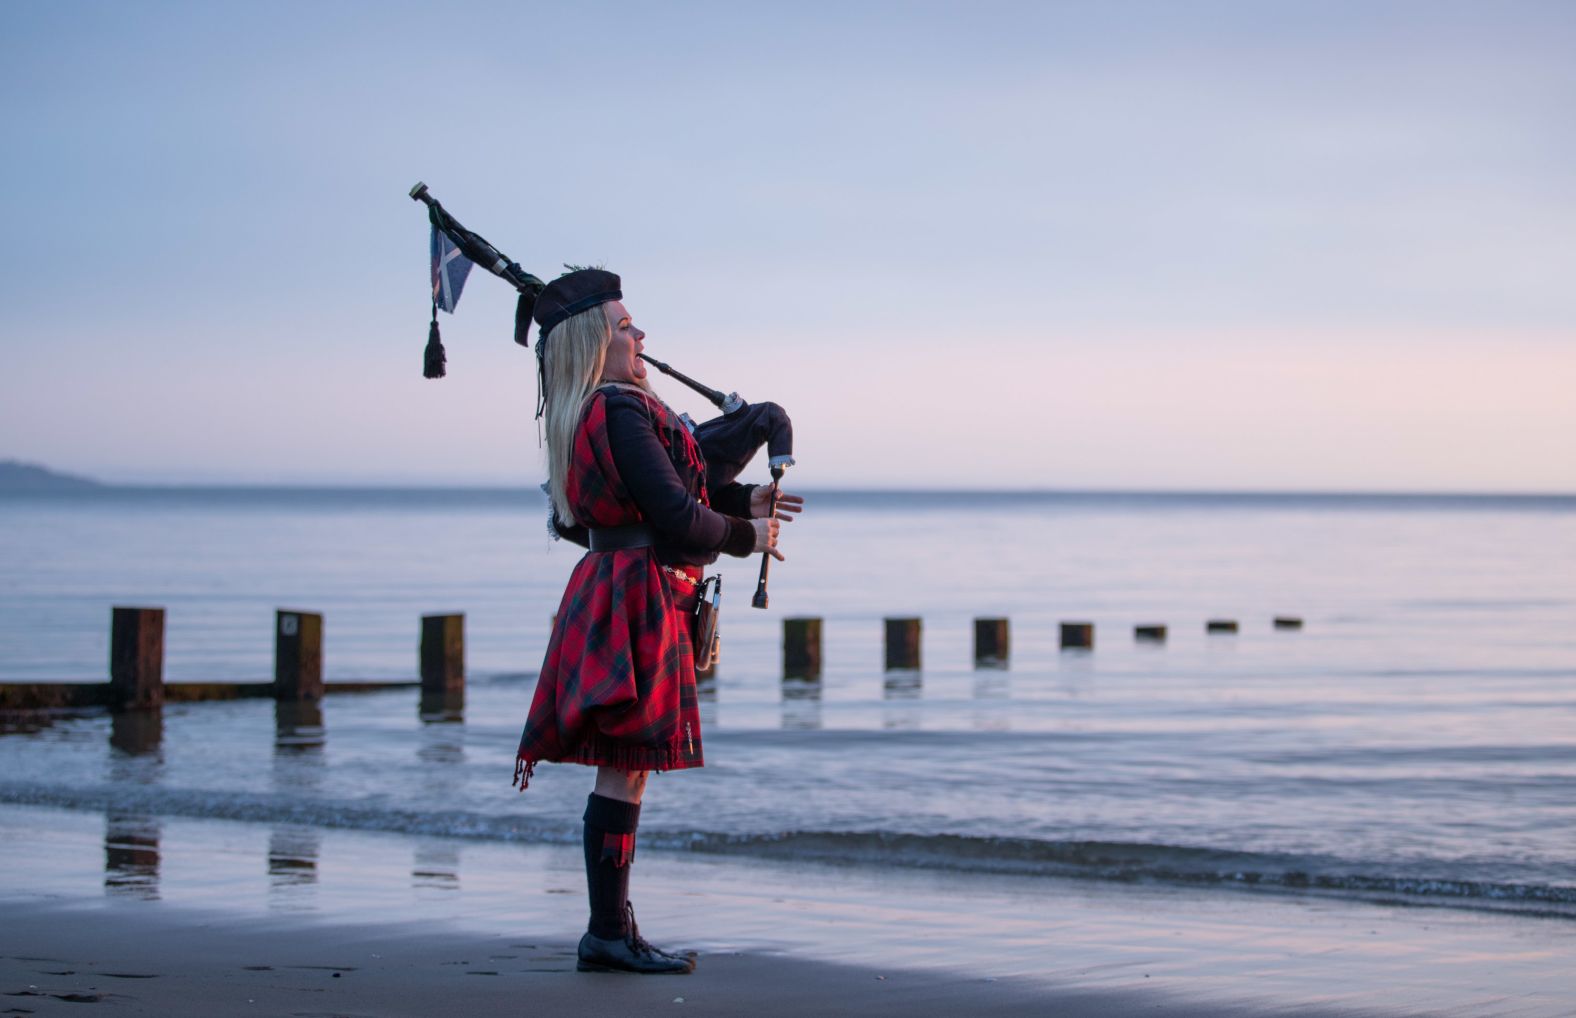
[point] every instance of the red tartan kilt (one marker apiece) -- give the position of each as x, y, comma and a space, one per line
617, 688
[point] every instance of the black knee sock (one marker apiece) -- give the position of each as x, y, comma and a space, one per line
610, 848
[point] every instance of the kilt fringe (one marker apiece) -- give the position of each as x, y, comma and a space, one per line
599, 751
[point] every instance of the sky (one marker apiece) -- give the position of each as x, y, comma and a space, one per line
1186, 246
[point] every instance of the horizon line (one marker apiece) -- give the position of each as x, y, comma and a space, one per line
175, 486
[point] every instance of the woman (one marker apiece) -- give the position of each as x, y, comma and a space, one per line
617, 689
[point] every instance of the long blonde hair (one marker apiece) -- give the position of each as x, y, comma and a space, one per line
573, 356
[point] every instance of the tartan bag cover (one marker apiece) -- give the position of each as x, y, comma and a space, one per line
617, 687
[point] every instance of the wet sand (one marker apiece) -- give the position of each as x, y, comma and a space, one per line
177, 916
145, 958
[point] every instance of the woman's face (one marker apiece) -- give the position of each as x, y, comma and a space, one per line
622, 363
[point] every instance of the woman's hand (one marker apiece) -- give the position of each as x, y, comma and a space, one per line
766, 537
788, 505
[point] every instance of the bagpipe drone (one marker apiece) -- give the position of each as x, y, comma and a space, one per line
728, 442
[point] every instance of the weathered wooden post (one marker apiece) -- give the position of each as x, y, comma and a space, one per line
442, 668
1220, 626
1150, 634
902, 643
801, 648
442, 654
991, 642
298, 655
136, 658
1077, 635
1287, 622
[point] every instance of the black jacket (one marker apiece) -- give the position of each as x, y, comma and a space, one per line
667, 489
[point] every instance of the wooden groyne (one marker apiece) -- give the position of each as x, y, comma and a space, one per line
136, 668
136, 680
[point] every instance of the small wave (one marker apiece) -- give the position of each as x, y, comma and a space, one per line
1126, 862
1134, 862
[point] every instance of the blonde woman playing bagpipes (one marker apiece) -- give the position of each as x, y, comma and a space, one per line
617, 688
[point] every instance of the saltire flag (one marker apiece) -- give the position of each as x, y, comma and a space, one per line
449, 269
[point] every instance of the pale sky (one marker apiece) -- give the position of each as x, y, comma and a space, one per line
1325, 246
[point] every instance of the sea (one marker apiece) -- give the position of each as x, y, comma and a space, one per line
1413, 741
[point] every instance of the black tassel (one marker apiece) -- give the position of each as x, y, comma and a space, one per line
435, 356
522, 316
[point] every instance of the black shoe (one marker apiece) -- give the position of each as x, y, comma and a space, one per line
630, 953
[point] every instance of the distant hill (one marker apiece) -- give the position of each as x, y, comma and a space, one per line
15, 476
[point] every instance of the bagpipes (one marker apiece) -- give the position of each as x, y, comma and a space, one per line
727, 442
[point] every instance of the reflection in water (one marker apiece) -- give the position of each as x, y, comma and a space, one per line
298, 746
441, 747
801, 704
26, 722
131, 855
136, 740
441, 750
136, 732
706, 695
442, 707
1075, 667
901, 692
437, 866
992, 691
292, 862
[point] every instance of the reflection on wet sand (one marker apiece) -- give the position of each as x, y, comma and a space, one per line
801, 705
437, 866
292, 862
900, 693
131, 855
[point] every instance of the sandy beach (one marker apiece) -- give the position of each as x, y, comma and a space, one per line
150, 960
172, 916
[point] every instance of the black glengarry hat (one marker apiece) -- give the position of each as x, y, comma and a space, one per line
571, 293
566, 296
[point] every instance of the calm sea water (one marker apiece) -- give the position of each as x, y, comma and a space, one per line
1416, 740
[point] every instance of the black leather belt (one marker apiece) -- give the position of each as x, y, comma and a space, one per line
635, 535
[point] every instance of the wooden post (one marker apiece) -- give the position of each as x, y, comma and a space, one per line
902, 643
1220, 626
1077, 635
1287, 622
801, 648
991, 642
1152, 634
442, 654
136, 658
298, 655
